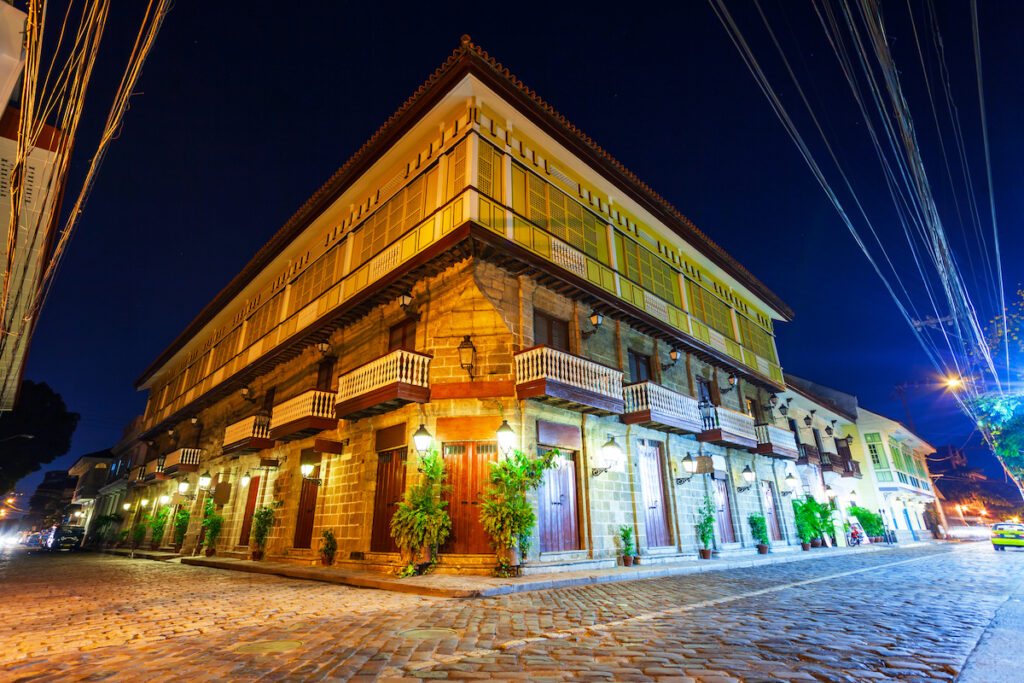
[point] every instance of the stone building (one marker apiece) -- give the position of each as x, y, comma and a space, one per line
479, 260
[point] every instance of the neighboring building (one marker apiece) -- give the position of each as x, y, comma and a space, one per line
478, 260
897, 482
93, 471
130, 452
972, 494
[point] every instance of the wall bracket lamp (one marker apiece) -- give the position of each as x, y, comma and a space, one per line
674, 355
467, 355
595, 319
749, 477
689, 468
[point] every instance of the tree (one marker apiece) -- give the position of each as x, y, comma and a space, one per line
40, 413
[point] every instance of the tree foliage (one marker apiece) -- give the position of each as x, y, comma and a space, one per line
41, 413
1002, 414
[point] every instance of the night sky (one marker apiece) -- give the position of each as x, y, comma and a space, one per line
241, 115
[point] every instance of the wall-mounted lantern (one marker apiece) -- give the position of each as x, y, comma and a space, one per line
611, 454
749, 476
733, 381
247, 394
323, 347
467, 355
784, 408
306, 468
506, 438
809, 418
689, 469
791, 484
244, 480
595, 320
421, 440
205, 479
674, 356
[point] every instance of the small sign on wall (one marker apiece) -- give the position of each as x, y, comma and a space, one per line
222, 493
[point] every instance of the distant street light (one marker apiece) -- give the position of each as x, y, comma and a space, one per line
18, 436
953, 382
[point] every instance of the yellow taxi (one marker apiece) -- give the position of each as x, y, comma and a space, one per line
1007, 534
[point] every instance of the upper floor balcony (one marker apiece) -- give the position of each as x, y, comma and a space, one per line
808, 455
851, 468
776, 442
651, 405
154, 469
568, 381
391, 381
182, 460
307, 414
135, 475
248, 436
831, 462
727, 427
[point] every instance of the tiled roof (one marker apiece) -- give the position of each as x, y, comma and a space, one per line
467, 57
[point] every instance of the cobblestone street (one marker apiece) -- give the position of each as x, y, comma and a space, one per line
911, 614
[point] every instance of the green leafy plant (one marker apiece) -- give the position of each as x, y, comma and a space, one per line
139, 533
181, 520
328, 545
122, 536
872, 522
212, 524
706, 522
104, 524
806, 515
158, 523
262, 522
505, 513
421, 520
826, 526
758, 528
626, 536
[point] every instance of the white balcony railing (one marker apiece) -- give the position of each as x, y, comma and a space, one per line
770, 434
182, 456
543, 362
656, 398
312, 403
253, 427
401, 366
153, 467
730, 421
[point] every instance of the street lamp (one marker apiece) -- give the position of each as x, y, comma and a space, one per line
610, 454
790, 482
421, 439
126, 507
506, 438
244, 480
748, 476
164, 500
205, 479
689, 467
183, 487
953, 383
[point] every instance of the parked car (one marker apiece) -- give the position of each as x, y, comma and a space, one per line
1007, 534
65, 537
33, 540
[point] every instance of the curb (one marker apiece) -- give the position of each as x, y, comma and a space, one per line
542, 582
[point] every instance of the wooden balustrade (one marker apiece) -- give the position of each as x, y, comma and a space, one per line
808, 455
727, 427
384, 384
308, 413
182, 460
652, 405
569, 381
775, 441
248, 436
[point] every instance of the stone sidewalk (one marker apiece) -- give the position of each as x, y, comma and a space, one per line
471, 586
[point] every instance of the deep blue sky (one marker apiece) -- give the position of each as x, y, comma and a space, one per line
241, 115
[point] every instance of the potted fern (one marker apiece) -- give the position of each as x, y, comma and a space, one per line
759, 530
138, 534
157, 524
706, 527
262, 523
212, 524
505, 513
181, 520
806, 523
421, 524
626, 536
328, 547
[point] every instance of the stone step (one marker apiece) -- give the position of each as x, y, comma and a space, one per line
581, 565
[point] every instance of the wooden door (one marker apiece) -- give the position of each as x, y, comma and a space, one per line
390, 488
770, 515
652, 483
558, 524
307, 509
467, 466
723, 514
250, 507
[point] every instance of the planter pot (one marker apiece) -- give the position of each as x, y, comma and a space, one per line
210, 552
417, 557
510, 556
326, 560
257, 555
636, 559
705, 553
816, 543
762, 549
627, 560
805, 546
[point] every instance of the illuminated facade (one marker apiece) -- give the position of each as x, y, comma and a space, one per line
478, 260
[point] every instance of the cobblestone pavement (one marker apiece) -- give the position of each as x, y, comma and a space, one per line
912, 614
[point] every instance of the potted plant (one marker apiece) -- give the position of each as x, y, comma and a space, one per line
421, 524
212, 523
181, 519
138, 534
759, 530
262, 523
157, 524
328, 547
706, 527
505, 514
806, 522
122, 536
626, 536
